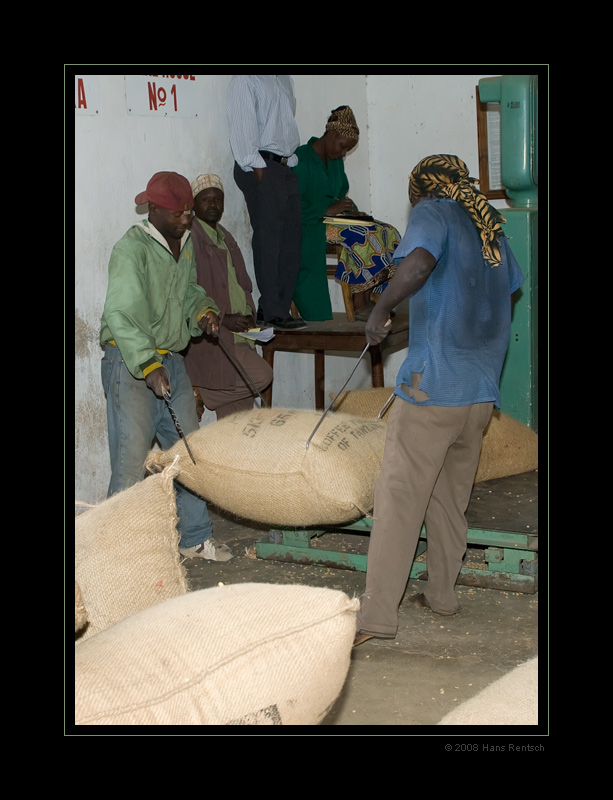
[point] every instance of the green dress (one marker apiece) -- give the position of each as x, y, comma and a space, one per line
320, 187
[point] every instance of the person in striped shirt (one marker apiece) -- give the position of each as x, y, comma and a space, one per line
264, 137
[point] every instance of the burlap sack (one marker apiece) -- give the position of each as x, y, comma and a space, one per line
255, 464
509, 447
249, 654
126, 552
364, 402
80, 612
511, 700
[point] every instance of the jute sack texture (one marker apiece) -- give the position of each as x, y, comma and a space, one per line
255, 464
245, 654
509, 447
126, 552
80, 612
511, 700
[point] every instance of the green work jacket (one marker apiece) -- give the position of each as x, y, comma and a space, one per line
153, 302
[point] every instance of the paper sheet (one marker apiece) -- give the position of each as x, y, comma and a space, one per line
258, 334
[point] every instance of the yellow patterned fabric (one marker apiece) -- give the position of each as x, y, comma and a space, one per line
366, 260
448, 176
342, 121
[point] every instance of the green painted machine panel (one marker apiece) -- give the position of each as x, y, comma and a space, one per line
519, 379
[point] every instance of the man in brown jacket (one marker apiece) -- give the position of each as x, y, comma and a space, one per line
220, 266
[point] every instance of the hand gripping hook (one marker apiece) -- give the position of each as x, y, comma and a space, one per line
335, 398
166, 395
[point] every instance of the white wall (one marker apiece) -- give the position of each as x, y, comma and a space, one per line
402, 118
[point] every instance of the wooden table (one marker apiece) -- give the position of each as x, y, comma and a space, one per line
339, 335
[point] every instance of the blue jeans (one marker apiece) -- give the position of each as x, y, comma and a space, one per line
135, 417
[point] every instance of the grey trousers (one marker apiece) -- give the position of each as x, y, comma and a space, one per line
429, 464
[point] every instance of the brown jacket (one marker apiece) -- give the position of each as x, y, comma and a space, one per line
206, 363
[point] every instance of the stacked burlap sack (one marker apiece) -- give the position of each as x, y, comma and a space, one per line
126, 555
148, 652
248, 654
509, 447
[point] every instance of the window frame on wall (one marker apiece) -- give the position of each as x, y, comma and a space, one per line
488, 143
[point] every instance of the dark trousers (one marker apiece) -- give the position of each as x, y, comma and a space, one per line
275, 214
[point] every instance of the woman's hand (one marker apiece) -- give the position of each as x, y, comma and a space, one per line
341, 207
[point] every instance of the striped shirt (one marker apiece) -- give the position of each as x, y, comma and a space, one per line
261, 111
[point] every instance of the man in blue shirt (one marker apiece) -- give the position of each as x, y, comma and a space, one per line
459, 273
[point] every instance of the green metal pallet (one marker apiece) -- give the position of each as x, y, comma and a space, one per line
510, 559
495, 559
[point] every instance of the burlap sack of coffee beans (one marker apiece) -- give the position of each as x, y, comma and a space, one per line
255, 464
364, 402
245, 654
126, 552
509, 447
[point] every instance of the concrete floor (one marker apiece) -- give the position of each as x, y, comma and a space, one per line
434, 664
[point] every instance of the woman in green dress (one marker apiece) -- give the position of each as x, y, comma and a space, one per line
368, 246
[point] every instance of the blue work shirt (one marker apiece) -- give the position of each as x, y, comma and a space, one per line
460, 320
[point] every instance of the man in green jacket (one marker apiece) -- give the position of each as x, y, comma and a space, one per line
153, 307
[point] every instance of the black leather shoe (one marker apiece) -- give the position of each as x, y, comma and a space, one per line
287, 324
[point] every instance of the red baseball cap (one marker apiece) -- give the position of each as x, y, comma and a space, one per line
169, 190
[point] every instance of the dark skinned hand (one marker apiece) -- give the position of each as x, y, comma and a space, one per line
200, 409
411, 274
157, 381
378, 325
341, 207
209, 323
237, 323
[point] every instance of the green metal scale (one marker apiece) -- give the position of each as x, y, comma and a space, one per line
502, 515
518, 99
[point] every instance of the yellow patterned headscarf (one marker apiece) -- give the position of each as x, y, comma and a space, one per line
447, 176
342, 121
